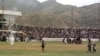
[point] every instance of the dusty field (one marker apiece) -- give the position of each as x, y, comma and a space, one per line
52, 49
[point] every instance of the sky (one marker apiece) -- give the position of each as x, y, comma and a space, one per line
78, 3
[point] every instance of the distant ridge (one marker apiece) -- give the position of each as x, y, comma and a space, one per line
53, 14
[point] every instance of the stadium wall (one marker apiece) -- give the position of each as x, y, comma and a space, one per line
60, 39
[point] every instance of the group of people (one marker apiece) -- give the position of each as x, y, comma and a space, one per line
49, 32
91, 46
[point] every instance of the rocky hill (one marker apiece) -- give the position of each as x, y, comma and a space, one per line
54, 14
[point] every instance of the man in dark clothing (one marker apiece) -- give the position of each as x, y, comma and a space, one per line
89, 47
94, 47
43, 45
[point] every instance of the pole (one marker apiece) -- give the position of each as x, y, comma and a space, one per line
72, 17
2, 7
1, 15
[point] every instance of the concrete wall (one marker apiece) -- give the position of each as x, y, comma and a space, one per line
60, 39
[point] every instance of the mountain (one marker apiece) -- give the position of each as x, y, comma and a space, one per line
53, 14
52, 6
90, 15
25, 6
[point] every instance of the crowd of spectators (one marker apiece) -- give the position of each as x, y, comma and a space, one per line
48, 32
30, 33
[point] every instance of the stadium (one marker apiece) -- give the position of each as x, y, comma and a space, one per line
49, 29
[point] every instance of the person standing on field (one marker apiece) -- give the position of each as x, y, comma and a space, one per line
43, 46
94, 47
89, 47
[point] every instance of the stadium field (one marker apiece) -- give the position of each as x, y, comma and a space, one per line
52, 49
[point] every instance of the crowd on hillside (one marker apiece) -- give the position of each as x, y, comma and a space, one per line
47, 32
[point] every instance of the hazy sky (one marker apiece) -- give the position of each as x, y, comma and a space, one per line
76, 2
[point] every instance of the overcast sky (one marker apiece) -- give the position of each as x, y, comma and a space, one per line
76, 2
